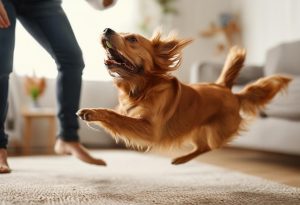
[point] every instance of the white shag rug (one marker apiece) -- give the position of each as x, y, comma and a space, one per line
134, 178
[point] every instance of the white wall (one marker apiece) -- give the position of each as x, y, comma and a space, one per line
266, 23
196, 15
87, 24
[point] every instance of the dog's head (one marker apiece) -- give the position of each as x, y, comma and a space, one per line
134, 56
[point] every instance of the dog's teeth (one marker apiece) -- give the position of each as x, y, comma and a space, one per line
108, 44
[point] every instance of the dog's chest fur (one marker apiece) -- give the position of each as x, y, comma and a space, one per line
129, 108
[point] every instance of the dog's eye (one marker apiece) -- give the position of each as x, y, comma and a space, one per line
131, 39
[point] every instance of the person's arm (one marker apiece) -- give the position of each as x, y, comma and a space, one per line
4, 20
101, 4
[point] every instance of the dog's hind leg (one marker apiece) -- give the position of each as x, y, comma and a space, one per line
209, 137
201, 147
190, 156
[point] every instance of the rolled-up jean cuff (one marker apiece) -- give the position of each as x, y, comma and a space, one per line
3, 141
69, 135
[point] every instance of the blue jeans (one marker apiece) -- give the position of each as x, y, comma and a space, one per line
46, 21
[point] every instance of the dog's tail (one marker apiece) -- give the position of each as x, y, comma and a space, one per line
255, 95
233, 64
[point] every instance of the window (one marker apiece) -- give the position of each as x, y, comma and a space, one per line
87, 24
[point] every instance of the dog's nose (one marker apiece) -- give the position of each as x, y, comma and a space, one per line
108, 32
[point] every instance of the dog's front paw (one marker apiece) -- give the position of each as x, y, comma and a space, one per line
87, 114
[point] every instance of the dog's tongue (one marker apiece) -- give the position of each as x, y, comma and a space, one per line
111, 62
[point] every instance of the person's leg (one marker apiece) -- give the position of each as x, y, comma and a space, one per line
4, 168
48, 24
7, 42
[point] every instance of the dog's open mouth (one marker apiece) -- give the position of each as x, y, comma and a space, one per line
116, 59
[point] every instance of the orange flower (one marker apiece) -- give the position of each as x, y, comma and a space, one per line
35, 86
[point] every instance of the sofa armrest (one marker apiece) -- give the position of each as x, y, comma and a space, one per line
209, 72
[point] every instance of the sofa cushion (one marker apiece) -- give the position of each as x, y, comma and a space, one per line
205, 72
283, 58
286, 105
209, 72
249, 73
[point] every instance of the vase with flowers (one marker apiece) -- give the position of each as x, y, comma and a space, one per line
35, 88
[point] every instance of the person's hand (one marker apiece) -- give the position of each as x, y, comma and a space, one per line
4, 20
101, 4
107, 3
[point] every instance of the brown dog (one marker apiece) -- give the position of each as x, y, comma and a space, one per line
155, 109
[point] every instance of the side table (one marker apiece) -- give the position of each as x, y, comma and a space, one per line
38, 114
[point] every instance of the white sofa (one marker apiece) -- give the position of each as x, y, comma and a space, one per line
277, 129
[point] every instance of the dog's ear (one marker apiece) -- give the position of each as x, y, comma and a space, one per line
167, 52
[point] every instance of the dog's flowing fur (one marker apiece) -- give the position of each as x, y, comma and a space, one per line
155, 109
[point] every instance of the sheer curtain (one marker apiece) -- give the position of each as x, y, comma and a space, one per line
87, 24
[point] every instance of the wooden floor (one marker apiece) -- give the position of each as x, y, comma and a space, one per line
281, 168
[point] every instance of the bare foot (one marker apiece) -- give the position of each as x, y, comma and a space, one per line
77, 150
4, 168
